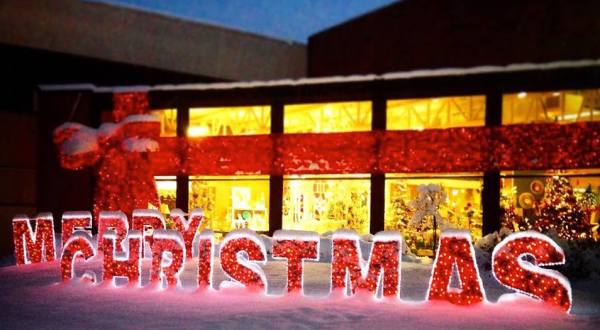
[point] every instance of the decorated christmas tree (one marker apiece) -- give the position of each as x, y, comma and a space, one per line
560, 212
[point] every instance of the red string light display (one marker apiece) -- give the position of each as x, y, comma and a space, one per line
30, 246
240, 251
75, 220
348, 267
126, 153
188, 228
295, 247
517, 261
115, 221
147, 221
455, 251
119, 153
79, 244
126, 264
168, 258
206, 246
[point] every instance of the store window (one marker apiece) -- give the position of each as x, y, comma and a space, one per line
168, 121
551, 107
246, 120
325, 203
441, 112
421, 206
231, 202
327, 117
565, 202
167, 192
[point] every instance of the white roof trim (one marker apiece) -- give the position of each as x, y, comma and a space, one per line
335, 79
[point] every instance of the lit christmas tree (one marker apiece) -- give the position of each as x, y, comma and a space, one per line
560, 212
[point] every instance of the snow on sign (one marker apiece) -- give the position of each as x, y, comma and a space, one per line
517, 261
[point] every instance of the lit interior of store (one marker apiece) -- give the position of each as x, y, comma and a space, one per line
325, 203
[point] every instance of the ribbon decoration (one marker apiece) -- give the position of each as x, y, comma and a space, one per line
119, 153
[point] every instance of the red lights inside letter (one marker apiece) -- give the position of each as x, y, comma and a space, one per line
238, 251
455, 252
516, 264
295, 246
30, 246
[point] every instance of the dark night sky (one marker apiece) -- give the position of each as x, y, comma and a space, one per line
285, 19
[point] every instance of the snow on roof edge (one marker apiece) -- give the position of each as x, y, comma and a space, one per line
333, 79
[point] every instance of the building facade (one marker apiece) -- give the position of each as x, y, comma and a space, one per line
417, 152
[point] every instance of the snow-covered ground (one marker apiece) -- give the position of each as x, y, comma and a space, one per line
31, 296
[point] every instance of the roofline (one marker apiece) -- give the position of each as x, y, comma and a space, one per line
355, 18
335, 79
191, 20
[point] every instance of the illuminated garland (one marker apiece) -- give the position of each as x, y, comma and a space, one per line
512, 267
127, 156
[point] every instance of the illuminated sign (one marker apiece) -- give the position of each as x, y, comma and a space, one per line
516, 262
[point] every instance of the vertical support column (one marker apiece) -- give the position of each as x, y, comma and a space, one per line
276, 181
377, 205
182, 193
490, 195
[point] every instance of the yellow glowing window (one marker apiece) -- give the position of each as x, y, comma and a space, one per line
327, 117
168, 121
524, 194
413, 203
247, 120
324, 203
167, 193
549, 107
442, 112
231, 202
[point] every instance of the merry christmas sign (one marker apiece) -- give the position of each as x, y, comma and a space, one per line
517, 262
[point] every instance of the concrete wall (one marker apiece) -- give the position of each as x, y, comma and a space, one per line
17, 172
135, 37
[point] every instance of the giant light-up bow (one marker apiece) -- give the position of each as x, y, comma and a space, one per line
119, 153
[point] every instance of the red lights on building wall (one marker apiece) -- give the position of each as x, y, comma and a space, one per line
129, 153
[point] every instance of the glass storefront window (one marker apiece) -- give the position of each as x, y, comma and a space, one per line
565, 202
442, 112
168, 121
413, 203
327, 117
550, 107
325, 203
246, 120
231, 202
167, 192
